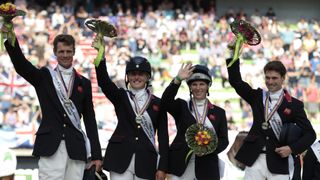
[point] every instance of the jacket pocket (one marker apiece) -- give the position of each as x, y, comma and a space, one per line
251, 138
44, 130
175, 146
116, 139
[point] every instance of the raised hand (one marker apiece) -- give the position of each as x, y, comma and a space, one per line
245, 33
99, 44
8, 11
185, 71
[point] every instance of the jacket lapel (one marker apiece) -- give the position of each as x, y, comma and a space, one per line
53, 95
284, 109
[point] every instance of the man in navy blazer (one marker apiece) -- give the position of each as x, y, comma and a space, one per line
65, 96
262, 153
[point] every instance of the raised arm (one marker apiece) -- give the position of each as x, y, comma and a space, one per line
109, 88
243, 89
23, 67
167, 99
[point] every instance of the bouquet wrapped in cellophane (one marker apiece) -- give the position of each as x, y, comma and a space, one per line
102, 28
8, 11
201, 140
245, 33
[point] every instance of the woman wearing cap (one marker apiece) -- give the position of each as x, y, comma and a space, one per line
131, 152
197, 109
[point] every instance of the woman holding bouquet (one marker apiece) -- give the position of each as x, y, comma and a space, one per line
132, 152
201, 127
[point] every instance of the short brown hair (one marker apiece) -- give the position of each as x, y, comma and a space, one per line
64, 38
276, 66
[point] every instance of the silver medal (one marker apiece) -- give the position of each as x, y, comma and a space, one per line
138, 119
265, 125
67, 103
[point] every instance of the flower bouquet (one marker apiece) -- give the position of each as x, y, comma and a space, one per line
8, 11
201, 140
102, 28
245, 33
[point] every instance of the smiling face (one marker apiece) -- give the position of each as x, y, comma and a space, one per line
64, 54
199, 89
138, 79
273, 81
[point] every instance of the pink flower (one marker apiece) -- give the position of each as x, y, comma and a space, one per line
155, 107
80, 89
287, 111
210, 106
212, 117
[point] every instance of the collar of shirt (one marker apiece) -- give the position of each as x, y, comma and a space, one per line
139, 94
275, 95
65, 71
200, 102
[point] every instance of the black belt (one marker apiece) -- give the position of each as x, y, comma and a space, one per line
263, 151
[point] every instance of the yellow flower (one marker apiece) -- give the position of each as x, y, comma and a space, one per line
8, 7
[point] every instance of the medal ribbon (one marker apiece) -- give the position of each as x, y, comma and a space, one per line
202, 118
137, 109
68, 90
275, 108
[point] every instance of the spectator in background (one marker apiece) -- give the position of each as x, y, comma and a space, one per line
317, 75
270, 13
312, 97
57, 18
229, 115
305, 73
1, 117
315, 61
81, 15
292, 74
11, 118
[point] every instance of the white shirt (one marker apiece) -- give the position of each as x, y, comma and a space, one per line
274, 96
66, 74
140, 95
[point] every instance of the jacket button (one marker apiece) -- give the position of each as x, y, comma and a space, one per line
63, 135
64, 125
139, 127
137, 138
64, 115
267, 137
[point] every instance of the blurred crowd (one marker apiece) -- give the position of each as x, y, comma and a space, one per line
167, 36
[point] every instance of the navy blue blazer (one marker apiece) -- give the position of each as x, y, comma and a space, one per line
291, 110
55, 124
311, 166
206, 167
129, 137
